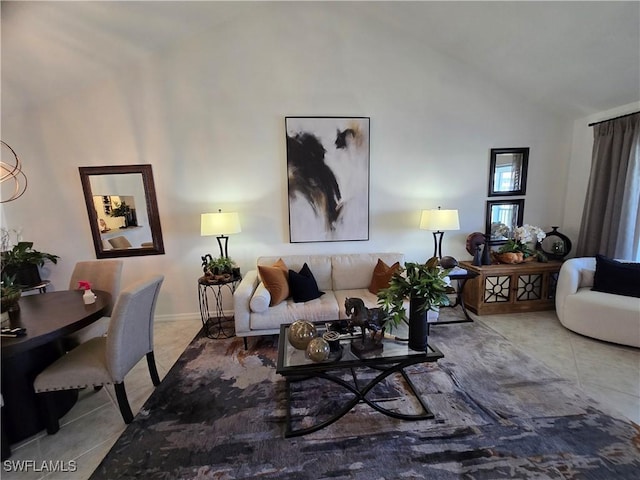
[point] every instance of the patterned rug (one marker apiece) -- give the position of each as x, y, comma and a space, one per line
219, 414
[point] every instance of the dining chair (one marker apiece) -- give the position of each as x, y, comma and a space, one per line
119, 242
102, 275
107, 360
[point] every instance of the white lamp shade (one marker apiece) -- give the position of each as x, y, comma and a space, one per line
219, 223
439, 220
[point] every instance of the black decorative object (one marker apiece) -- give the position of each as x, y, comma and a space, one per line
366, 319
448, 262
477, 257
486, 253
555, 245
417, 325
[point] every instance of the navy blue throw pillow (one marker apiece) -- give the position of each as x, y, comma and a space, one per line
303, 285
616, 277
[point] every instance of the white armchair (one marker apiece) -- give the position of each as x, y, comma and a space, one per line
605, 316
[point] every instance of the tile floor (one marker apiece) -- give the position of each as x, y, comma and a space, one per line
609, 373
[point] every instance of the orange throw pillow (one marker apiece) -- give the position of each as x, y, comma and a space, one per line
275, 279
382, 275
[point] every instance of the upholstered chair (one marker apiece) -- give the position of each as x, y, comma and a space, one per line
102, 275
119, 242
107, 360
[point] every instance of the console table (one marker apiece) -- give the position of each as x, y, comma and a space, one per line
502, 288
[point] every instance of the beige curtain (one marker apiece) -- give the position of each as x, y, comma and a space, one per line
611, 217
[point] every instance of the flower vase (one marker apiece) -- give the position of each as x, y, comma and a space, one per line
417, 325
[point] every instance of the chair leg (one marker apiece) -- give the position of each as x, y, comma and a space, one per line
245, 343
47, 408
123, 403
153, 371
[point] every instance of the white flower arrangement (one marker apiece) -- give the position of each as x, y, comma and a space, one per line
528, 234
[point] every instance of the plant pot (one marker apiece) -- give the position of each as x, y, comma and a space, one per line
417, 326
26, 275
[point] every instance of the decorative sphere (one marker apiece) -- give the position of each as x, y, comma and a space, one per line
300, 333
448, 262
318, 349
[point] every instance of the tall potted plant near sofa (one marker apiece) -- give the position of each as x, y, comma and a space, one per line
22, 262
425, 286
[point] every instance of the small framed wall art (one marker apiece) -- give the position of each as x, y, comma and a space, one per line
328, 178
508, 171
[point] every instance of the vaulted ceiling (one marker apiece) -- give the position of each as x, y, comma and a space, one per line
577, 58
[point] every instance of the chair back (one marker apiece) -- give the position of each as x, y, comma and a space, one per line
130, 335
102, 274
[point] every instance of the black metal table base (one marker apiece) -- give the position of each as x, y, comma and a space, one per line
360, 395
219, 327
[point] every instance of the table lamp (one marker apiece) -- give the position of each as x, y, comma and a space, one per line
221, 225
439, 221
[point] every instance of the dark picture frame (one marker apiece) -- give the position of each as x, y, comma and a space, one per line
503, 212
114, 178
328, 178
508, 171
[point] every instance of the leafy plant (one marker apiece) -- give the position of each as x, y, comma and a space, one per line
10, 292
23, 254
120, 210
424, 282
220, 265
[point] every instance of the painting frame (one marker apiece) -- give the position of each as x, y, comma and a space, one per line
328, 175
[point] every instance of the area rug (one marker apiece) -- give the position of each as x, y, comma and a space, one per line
219, 414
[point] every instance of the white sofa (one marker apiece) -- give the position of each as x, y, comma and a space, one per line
339, 276
605, 316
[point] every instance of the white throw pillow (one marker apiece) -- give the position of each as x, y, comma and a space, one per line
586, 277
260, 300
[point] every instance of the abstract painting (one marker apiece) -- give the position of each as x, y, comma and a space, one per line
328, 178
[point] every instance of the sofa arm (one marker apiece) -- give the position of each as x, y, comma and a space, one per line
241, 298
569, 280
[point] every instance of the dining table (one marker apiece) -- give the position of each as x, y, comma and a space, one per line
47, 318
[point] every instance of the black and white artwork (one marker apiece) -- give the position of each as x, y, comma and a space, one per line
328, 178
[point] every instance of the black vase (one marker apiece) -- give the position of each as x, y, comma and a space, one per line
477, 258
486, 252
417, 326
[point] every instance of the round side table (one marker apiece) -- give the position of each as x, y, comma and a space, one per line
216, 324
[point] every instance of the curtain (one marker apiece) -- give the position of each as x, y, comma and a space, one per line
611, 217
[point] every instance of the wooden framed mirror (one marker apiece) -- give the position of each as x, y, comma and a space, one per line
123, 211
502, 217
508, 171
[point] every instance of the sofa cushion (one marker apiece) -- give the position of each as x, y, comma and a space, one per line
382, 274
616, 277
354, 271
320, 265
303, 285
260, 299
321, 309
275, 279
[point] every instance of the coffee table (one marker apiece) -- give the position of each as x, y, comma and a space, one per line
394, 358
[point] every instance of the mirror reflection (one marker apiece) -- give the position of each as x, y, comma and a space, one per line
502, 218
508, 171
122, 210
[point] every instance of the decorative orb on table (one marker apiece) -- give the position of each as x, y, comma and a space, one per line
300, 333
318, 349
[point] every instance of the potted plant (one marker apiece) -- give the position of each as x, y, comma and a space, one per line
22, 262
522, 247
221, 267
425, 286
10, 293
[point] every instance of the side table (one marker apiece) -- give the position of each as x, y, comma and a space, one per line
218, 325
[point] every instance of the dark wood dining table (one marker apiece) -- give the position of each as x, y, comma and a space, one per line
47, 318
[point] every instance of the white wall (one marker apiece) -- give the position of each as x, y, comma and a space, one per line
209, 116
580, 166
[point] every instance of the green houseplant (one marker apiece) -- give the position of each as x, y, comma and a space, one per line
425, 285
220, 267
10, 293
22, 262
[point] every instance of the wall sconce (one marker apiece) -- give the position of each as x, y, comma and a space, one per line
221, 225
439, 220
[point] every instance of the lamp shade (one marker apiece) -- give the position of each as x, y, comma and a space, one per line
219, 223
439, 220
